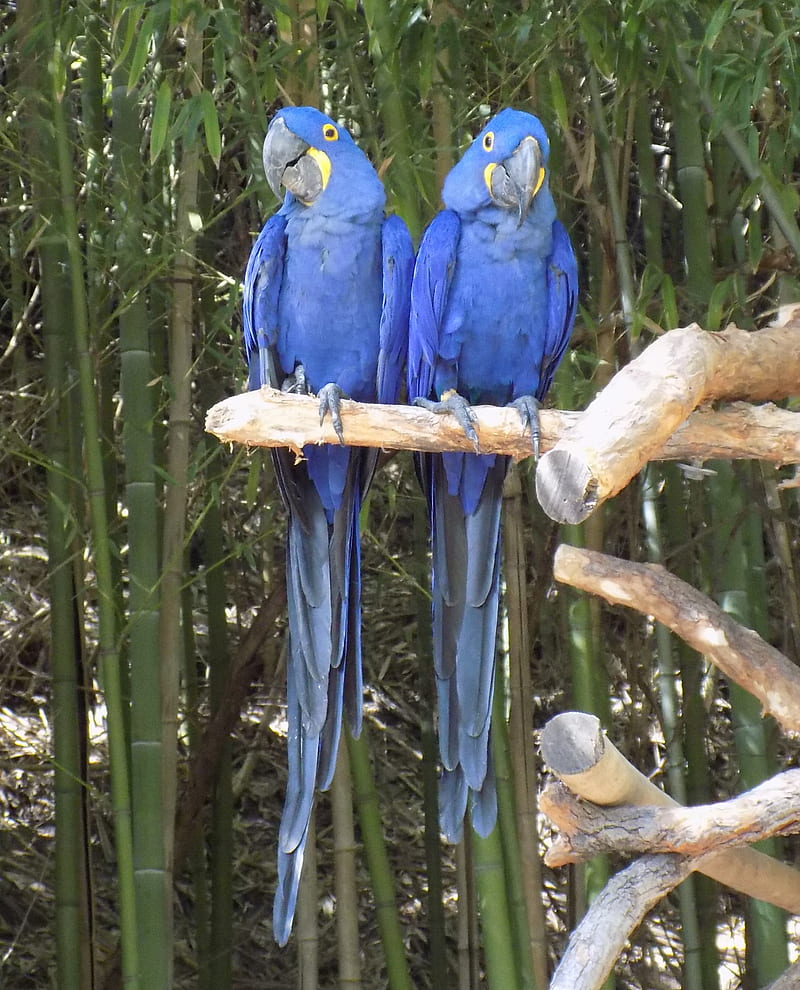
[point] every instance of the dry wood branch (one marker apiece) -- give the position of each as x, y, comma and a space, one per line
649, 588
788, 980
601, 936
645, 403
586, 830
268, 418
205, 761
577, 751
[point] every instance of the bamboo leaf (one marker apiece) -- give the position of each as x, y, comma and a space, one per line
719, 19
129, 15
211, 126
559, 100
718, 304
669, 302
158, 131
142, 51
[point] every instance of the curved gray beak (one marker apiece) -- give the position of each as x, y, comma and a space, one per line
286, 164
516, 180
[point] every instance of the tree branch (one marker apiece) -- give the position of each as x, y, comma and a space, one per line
586, 830
740, 653
629, 422
576, 750
268, 418
613, 916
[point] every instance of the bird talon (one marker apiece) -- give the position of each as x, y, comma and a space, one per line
528, 408
296, 383
330, 398
457, 405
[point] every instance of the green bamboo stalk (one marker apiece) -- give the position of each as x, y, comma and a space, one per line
468, 931
430, 752
694, 723
196, 851
366, 798
650, 198
152, 888
523, 751
344, 851
749, 163
221, 844
627, 289
307, 934
178, 449
671, 724
498, 942
741, 592
401, 176
514, 900
441, 117
73, 943
107, 634
691, 177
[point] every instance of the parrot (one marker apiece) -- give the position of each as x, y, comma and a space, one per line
325, 306
493, 302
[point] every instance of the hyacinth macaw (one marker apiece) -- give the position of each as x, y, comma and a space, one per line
492, 306
325, 311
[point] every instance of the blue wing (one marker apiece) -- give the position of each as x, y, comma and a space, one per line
262, 285
398, 267
562, 302
433, 276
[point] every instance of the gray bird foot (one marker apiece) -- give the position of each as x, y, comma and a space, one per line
330, 399
452, 402
296, 383
528, 408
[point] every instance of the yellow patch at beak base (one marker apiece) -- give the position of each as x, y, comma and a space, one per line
487, 175
323, 162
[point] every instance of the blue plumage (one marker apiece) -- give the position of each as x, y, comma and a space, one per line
492, 306
325, 310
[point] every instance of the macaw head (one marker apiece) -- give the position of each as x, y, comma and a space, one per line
506, 165
316, 161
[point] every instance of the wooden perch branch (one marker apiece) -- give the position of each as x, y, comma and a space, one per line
629, 422
268, 418
614, 914
586, 830
576, 750
740, 653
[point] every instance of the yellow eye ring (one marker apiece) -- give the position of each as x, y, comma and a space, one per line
488, 141
330, 133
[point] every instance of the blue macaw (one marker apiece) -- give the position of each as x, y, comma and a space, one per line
325, 311
492, 306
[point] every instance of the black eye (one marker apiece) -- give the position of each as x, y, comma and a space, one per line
330, 133
488, 141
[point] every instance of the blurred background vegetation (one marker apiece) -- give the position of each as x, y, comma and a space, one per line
141, 563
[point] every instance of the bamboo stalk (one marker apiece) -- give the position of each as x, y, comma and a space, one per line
430, 753
490, 883
178, 453
72, 935
670, 722
107, 633
344, 852
522, 751
738, 581
366, 798
152, 888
